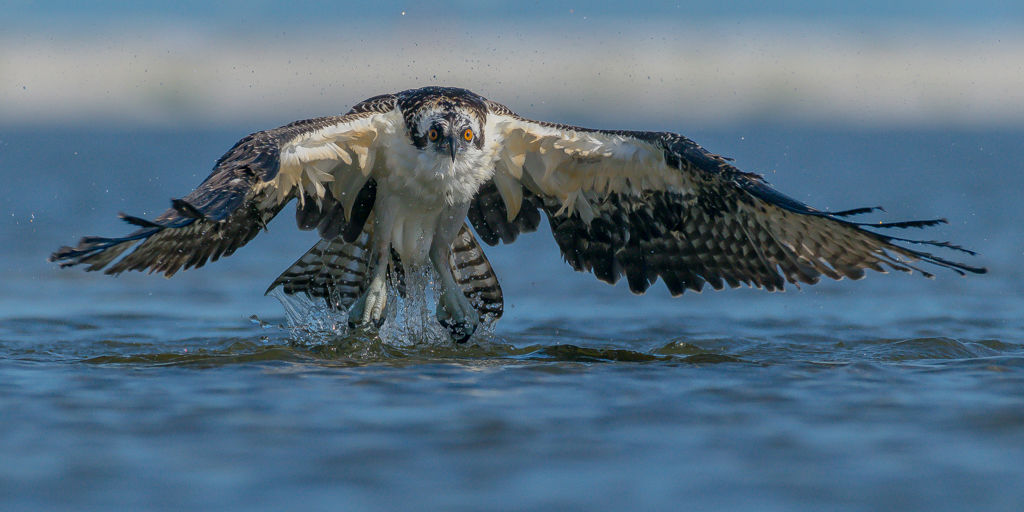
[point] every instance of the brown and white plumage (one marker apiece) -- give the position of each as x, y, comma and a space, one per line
336, 270
394, 179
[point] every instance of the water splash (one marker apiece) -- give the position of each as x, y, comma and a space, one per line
410, 315
311, 321
412, 302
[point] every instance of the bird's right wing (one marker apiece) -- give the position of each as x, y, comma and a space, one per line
324, 162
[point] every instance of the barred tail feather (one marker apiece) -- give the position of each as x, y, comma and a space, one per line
335, 271
474, 275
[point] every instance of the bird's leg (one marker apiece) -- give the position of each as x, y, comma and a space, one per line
454, 311
370, 306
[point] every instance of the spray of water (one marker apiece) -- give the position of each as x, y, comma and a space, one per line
411, 321
412, 300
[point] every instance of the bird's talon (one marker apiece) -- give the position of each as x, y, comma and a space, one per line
461, 331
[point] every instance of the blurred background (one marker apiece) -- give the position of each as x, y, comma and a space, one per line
142, 393
710, 63
120, 105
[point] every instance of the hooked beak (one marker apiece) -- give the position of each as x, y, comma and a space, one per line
451, 145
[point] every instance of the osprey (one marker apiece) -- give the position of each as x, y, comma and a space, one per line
395, 183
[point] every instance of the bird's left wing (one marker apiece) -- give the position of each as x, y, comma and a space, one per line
325, 162
656, 204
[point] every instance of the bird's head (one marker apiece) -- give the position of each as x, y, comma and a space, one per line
446, 121
448, 132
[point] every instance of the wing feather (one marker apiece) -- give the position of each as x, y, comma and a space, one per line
649, 205
247, 188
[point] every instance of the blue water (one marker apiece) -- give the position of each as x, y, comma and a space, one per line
894, 392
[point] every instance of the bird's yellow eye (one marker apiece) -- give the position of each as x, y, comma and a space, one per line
468, 134
432, 134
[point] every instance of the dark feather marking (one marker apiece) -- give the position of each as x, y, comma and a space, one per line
186, 210
329, 219
474, 275
905, 224
476, 217
361, 209
857, 211
489, 216
138, 222
309, 213
333, 222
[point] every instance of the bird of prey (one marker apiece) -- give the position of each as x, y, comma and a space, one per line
396, 182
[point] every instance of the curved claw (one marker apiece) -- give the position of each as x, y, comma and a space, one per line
377, 323
369, 309
460, 331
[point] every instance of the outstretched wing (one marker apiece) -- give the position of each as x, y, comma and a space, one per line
325, 162
655, 204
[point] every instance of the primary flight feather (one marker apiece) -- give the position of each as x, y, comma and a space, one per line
391, 185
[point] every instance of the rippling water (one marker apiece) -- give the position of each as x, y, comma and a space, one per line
895, 392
